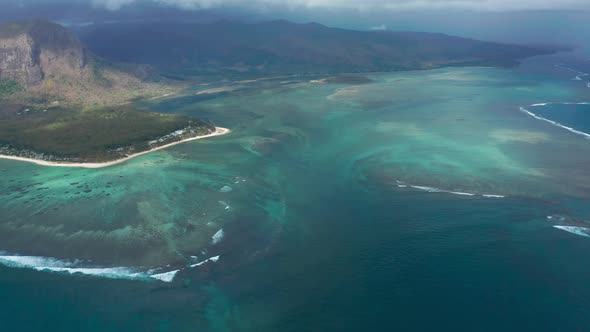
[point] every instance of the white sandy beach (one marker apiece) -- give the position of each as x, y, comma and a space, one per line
218, 132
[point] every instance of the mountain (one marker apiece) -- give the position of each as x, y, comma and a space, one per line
30, 51
43, 60
59, 102
285, 47
47, 61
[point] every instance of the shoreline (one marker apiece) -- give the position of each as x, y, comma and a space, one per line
219, 131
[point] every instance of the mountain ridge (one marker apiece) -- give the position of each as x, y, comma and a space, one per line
285, 47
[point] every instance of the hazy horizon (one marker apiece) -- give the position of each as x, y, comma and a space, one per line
539, 22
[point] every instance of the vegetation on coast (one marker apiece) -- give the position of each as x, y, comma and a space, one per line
90, 135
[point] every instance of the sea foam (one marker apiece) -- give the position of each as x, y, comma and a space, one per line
217, 237
226, 189
50, 264
579, 76
400, 184
461, 193
582, 231
166, 276
210, 259
555, 123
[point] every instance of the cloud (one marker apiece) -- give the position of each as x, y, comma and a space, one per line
365, 5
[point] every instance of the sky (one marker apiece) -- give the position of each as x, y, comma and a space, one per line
533, 21
366, 5
530, 21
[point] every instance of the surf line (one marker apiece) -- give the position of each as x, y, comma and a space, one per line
579, 74
76, 267
555, 123
582, 231
401, 184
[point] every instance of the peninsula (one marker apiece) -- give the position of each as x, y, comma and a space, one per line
61, 105
218, 132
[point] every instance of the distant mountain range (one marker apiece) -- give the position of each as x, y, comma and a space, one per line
63, 99
49, 62
285, 47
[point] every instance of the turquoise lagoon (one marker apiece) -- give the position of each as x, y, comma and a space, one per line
422, 201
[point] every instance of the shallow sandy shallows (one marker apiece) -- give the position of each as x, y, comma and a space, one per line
218, 132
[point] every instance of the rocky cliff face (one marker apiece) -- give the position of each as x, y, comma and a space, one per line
50, 63
34, 51
17, 61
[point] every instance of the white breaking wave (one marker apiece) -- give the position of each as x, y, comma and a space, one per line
461, 193
225, 205
555, 123
226, 189
429, 189
214, 259
210, 259
217, 237
556, 217
574, 103
400, 184
38, 263
166, 276
493, 196
579, 75
582, 231
562, 103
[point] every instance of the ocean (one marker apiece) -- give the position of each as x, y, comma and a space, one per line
447, 199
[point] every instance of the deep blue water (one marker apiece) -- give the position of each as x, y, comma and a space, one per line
576, 116
351, 208
448, 264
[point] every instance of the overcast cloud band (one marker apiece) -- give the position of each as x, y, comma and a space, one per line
481, 5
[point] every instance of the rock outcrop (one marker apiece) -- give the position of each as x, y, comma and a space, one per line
33, 51
49, 64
